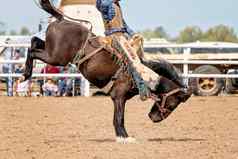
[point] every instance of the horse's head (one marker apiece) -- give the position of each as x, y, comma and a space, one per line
169, 96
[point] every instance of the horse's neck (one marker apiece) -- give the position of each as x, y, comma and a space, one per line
167, 85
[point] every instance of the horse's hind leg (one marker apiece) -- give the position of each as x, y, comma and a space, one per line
28, 65
36, 43
37, 51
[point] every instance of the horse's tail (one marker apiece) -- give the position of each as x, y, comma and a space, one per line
49, 8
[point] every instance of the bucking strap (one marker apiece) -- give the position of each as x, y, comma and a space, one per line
79, 61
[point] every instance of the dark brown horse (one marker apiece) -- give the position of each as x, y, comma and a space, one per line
64, 39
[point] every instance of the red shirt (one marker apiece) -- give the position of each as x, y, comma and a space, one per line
50, 69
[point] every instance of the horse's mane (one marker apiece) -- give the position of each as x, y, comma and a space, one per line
162, 67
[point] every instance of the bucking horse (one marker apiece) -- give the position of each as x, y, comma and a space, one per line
67, 40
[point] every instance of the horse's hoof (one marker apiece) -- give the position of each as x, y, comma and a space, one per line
126, 140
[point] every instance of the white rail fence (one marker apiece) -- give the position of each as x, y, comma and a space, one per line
185, 62
84, 84
186, 74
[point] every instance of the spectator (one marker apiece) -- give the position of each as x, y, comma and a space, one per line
48, 69
19, 68
66, 83
17, 55
62, 84
23, 88
50, 88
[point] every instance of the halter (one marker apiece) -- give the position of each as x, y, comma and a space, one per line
164, 96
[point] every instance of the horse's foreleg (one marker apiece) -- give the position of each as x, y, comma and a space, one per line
118, 122
118, 119
119, 97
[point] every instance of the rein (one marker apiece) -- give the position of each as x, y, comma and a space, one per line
164, 96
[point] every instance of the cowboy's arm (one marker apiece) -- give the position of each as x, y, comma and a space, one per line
106, 3
106, 8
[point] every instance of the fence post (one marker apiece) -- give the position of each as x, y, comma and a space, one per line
84, 87
10, 82
10, 71
186, 53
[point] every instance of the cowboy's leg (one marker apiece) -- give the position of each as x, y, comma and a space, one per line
162, 66
140, 72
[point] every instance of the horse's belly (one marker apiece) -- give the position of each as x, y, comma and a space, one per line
97, 72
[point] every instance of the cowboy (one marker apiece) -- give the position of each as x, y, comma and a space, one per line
118, 30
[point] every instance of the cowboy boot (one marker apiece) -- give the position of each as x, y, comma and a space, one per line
143, 89
145, 78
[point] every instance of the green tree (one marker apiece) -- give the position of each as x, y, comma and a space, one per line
158, 32
190, 34
13, 32
24, 31
2, 30
220, 33
147, 34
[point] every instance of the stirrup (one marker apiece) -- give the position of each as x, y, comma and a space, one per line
143, 89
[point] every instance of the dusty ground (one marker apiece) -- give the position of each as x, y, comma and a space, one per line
75, 128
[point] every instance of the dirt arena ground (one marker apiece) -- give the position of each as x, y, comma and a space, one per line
75, 128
